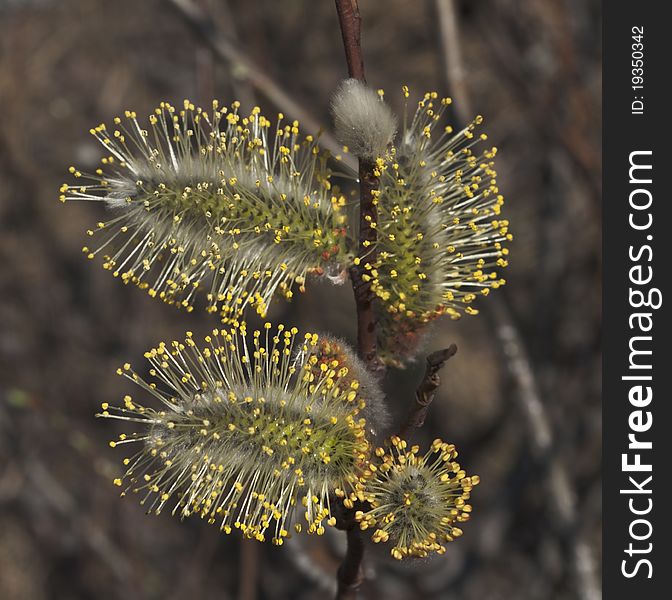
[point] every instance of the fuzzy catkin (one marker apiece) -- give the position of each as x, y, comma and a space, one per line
248, 432
417, 502
214, 203
362, 121
441, 235
333, 351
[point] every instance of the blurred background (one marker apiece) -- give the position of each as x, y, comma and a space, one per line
521, 399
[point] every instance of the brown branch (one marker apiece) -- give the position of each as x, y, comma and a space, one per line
348, 16
350, 22
424, 396
350, 574
366, 321
227, 50
248, 571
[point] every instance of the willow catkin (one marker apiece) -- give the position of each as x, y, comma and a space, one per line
362, 121
417, 502
247, 432
217, 202
441, 235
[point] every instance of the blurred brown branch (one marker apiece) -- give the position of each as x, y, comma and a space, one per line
350, 574
521, 372
519, 366
304, 564
451, 57
227, 50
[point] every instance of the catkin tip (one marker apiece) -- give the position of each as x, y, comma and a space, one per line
337, 353
363, 122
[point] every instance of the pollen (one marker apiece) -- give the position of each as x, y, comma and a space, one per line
418, 502
197, 199
246, 463
441, 241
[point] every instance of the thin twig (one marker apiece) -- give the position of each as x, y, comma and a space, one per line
350, 574
520, 370
366, 321
562, 497
351, 27
350, 22
227, 50
248, 570
424, 396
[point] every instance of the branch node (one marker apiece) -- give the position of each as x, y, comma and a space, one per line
424, 396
